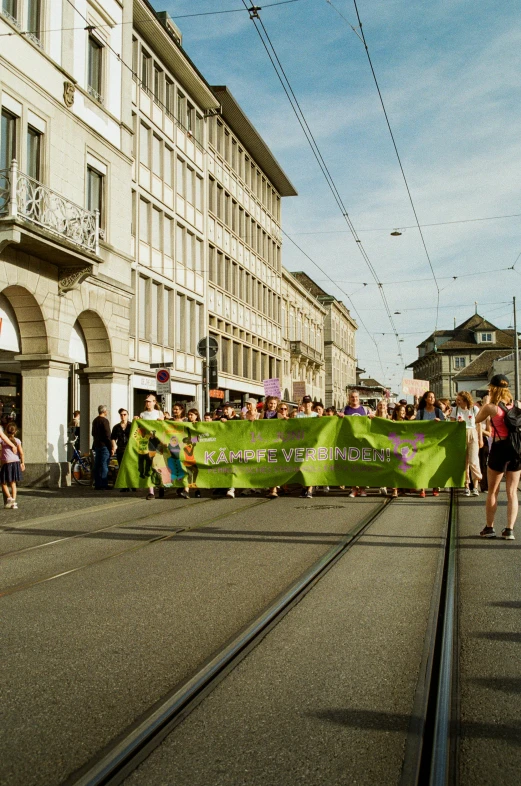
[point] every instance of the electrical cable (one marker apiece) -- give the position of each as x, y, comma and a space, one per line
286, 85
412, 226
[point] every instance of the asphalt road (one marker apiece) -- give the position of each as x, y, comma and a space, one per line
99, 627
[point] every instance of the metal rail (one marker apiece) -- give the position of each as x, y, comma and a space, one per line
127, 752
429, 752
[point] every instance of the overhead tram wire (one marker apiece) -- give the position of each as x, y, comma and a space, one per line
286, 85
412, 226
362, 36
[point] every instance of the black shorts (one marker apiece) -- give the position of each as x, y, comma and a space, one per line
503, 458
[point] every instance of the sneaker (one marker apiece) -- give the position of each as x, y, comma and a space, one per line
9, 503
383, 490
475, 491
308, 495
488, 532
435, 493
363, 493
230, 493
506, 534
14, 506
422, 493
467, 492
151, 496
184, 494
353, 494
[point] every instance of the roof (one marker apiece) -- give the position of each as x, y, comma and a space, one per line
252, 140
322, 295
481, 366
161, 39
464, 336
371, 383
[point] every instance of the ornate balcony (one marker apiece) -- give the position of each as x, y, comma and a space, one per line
305, 352
45, 224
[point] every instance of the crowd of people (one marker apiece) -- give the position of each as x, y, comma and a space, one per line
489, 453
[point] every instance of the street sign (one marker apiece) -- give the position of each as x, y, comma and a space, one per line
163, 385
213, 347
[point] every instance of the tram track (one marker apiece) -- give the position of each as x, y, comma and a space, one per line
137, 547
429, 756
121, 758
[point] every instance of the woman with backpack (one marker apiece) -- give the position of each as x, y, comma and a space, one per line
505, 453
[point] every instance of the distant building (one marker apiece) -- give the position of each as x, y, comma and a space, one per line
371, 391
445, 353
476, 375
339, 343
303, 339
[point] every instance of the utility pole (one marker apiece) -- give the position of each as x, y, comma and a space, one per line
516, 355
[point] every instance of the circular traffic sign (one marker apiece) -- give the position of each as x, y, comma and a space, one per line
163, 375
213, 347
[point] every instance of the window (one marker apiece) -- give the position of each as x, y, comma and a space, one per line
142, 308
33, 18
198, 324
189, 251
459, 362
154, 312
180, 177
146, 63
199, 193
181, 108
156, 155
95, 192
144, 230
135, 60
190, 118
168, 311
33, 153
10, 8
156, 228
212, 272
198, 255
189, 185
225, 354
236, 359
188, 325
94, 68
144, 145
167, 236
7, 139
169, 96
179, 321
158, 84
199, 128
168, 166
486, 337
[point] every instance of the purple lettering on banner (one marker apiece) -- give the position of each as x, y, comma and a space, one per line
299, 454
249, 455
366, 454
311, 454
354, 454
288, 454
261, 453
209, 456
272, 455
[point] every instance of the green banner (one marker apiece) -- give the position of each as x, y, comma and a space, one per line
327, 451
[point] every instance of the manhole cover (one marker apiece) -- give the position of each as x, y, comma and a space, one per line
322, 507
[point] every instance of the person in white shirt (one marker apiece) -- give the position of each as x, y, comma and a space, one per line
465, 412
152, 412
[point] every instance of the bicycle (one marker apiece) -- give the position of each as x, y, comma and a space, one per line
82, 467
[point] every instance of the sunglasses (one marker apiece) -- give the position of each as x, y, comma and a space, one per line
283, 409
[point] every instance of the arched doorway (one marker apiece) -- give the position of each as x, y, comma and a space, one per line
10, 376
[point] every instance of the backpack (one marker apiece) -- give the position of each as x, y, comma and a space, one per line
513, 424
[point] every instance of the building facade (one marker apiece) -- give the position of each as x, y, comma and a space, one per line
245, 187
65, 209
444, 354
170, 105
339, 343
303, 341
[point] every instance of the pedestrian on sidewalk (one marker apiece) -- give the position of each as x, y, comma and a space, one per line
504, 458
102, 446
13, 464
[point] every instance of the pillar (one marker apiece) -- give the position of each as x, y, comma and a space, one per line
108, 386
45, 395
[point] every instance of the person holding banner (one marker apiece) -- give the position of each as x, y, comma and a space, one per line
429, 409
504, 458
465, 412
151, 412
307, 412
354, 409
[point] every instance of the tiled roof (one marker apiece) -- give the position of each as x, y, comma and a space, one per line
481, 366
464, 335
371, 383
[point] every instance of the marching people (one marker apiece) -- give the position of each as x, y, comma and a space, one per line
251, 410
119, 437
13, 464
230, 414
381, 412
486, 436
307, 412
465, 412
152, 412
504, 458
270, 411
429, 409
355, 409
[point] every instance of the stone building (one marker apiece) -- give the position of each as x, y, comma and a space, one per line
245, 186
445, 353
339, 343
65, 210
303, 340
170, 104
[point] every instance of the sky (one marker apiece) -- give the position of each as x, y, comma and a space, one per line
448, 73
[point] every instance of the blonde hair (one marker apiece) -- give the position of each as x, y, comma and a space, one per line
499, 394
467, 398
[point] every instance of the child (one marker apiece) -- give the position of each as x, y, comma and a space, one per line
12, 465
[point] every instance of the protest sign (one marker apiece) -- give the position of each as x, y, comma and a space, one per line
299, 390
415, 387
316, 451
272, 387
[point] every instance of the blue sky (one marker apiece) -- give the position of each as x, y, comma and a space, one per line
449, 76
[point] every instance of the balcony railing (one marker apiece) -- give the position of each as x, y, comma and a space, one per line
304, 350
25, 198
